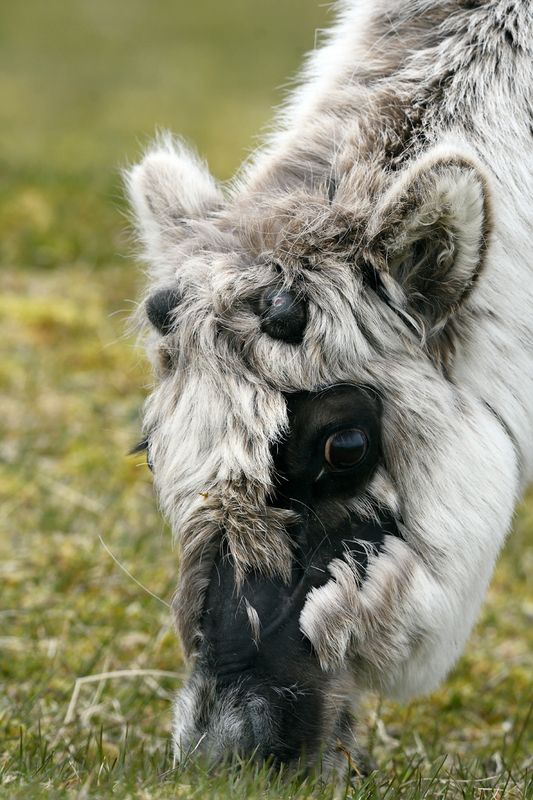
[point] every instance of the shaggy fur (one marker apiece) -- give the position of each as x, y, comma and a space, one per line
395, 197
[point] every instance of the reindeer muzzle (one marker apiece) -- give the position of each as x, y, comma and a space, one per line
262, 686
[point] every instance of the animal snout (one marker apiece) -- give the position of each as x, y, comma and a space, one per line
255, 686
218, 721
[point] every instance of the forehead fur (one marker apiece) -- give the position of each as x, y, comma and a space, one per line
304, 243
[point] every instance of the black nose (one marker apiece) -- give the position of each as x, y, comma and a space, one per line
252, 717
283, 315
281, 723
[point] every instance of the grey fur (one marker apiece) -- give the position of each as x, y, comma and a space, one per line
407, 153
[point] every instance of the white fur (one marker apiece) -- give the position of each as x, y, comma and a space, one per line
458, 446
440, 600
169, 187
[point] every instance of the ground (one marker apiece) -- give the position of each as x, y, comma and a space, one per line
86, 564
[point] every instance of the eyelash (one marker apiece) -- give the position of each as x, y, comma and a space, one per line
141, 447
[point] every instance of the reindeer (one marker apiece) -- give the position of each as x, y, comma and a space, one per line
342, 339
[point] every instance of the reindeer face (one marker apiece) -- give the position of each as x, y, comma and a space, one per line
257, 686
303, 431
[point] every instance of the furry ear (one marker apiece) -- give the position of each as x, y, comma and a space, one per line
429, 235
169, 187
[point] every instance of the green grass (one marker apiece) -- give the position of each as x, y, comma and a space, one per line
83, 84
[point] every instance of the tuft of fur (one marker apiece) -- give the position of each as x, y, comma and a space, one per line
170, 187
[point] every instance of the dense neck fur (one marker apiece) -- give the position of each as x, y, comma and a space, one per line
392, 78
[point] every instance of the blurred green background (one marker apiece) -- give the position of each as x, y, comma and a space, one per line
84, 85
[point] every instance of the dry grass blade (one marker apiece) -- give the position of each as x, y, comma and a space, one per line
105, 676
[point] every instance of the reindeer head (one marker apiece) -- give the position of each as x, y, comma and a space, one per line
303, 416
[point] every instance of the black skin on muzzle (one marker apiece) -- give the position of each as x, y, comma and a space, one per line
280, 665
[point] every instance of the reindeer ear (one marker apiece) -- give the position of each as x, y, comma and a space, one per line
169, 187
430, 233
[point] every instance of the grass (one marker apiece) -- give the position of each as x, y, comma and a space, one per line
83, 84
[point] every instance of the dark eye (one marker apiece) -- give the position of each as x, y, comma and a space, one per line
346, 449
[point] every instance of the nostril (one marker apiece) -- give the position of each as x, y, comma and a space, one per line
261, 723
241, 724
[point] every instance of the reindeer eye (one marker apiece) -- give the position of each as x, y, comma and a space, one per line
346, 449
